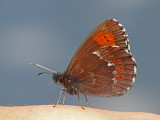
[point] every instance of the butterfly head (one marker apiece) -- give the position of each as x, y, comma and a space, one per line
58, 78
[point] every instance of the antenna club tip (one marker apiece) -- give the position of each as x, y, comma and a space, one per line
39, 74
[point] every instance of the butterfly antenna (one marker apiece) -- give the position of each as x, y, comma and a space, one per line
43, 67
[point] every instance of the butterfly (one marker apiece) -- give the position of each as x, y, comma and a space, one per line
102, 66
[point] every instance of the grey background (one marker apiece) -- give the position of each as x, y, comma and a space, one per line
48, 32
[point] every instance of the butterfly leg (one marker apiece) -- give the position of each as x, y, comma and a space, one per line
87, 101
64, 90
59, 98
49, 93
80, 102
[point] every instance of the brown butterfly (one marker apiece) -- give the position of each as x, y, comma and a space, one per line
102, 66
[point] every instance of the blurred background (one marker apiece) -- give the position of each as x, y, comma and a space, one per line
49, 32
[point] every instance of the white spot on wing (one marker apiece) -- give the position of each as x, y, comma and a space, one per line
128, 88
124, 30
126, 51
133, 59
114, 79
128, 47
96, 53
114, 20
133, 80
135, 69
110, 64
126, 42
123, 92
120, 25
114, 72
125, 35
115, 46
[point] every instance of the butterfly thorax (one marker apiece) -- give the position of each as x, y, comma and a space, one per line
66, 81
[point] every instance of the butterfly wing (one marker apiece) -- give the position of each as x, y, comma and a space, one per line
103, 64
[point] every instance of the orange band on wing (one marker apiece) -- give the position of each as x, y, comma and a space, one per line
105, 38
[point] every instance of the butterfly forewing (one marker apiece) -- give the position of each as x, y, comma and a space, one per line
86, 46
103, 64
